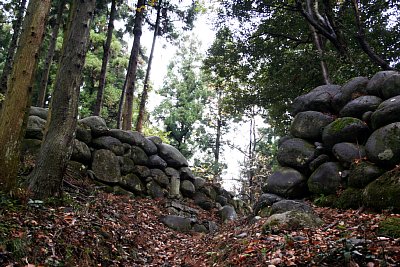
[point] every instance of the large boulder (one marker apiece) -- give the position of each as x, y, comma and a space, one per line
81, 152
227, 213
388, 111
35, 127
286, 182
326, 179
160, 177
384, 192
391, 86
155, 190
296, 153
187, 188
357, 107
138, 156
96, 124
172, 156
132, 183
156, 161
290, 205
127, 165
351, 90
83, 133
110, 143
292, 220
318, 161
177, 223
319, 99
383, 146
203, 201
186, 174
377, 81
345, 129
361, 174
40, 112
347, 153
264, 201
142, 171
309, 124
105, 166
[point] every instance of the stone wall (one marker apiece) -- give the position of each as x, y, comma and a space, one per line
344, 145
126, 160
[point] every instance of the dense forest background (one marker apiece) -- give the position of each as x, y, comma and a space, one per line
71, 57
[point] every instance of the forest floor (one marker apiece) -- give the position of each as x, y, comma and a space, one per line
92, 228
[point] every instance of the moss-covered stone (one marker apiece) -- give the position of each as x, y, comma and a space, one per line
351, 198
390, 227
291, 220
384, 192
325, 201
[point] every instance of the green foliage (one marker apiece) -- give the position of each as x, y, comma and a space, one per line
390, 227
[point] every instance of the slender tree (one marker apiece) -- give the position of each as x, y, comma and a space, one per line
50, 54
13, 115
13, 46
143, 100
46, 178
125, 113
106, 54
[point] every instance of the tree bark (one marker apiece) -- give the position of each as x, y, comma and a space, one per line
47, 64
13, 115
376, 59
129, 86
103, 72
217, 175
318, 46
143, 100
13, 46
46, 178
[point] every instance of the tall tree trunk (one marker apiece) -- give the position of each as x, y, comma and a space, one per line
50, 54
46, 178
319, 46
143, 100
106, 54
129, 86
13, 115
13, 46
217, 174
376, 59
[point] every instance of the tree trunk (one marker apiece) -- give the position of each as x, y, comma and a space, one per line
13, 115
217, 175
143, 100
50, 54
318, 45
13, 46
377, 60
103, 72
129, 86
46, 178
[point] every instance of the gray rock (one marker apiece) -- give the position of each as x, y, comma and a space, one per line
376, 83
296, 153
383, 146
155, 139
132, 183
391, 86
186, 174
142, 171
156, 162
83, 133
199, 228
81, 152
127, 149
326, 179
265, 200
309, 124
366, 117
174, 188
286, 182
172, 172
105, 166
187, 188
221, 200
177, 223
292, 220
172, 156
357, 107
35, 128
210, 191
227, 213
285, 205
362, 174
126, 164
347, 153
318, 161
345, 129
351, 90
96, 124
387, 112
40, 112
110, 143
160, 177
283, 139
199, 183
319, 99
138, 156
203, 201
124, 136
149, 147
155, 190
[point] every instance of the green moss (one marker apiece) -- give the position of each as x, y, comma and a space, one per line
341, 123
390, 227
384, 192
325, 201
351, 198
